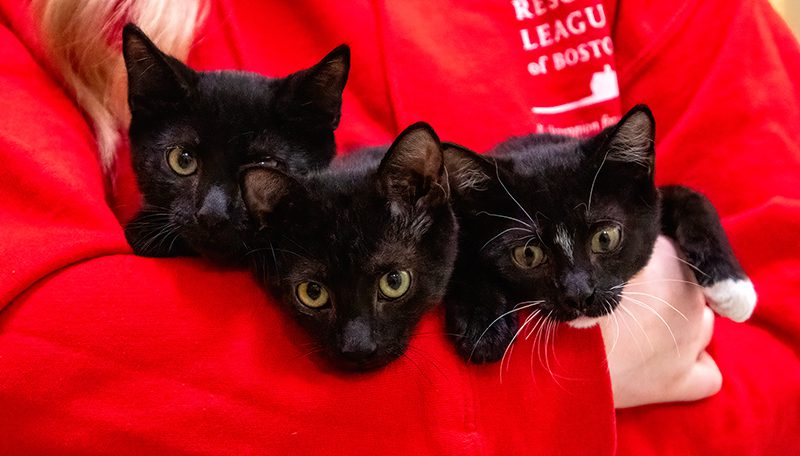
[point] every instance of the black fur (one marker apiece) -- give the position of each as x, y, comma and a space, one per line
344, 228
536, 190
224, 119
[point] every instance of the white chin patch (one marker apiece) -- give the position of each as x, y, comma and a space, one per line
583, 322
732, 298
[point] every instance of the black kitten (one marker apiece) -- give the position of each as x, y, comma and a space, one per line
192, 131
569, 222
359, 251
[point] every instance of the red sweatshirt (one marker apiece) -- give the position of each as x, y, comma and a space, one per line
105, 352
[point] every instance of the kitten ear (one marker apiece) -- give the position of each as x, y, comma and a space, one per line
412, 172
632, 140
314, 95
154, 78
466, 170
263, 189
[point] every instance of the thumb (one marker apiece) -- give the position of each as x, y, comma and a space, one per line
703, 380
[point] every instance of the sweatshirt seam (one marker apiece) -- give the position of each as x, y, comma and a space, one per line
648, 53
15, 296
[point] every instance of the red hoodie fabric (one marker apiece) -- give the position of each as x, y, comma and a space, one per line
105, 352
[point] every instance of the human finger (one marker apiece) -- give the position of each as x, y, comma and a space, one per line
703, 380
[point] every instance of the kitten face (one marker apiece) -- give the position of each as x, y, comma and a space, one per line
192, 131
358, 252
562, 220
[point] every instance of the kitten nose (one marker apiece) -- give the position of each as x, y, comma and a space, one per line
214, 210
581, 300
357, 343
578, 290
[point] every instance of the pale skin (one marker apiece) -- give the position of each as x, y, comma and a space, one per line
656, 368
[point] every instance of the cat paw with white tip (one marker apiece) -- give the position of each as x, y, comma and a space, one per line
732, 298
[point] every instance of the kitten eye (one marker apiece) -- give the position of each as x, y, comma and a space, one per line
394, 284
268, 162
181, 161
528, 256
606, 239
312, 294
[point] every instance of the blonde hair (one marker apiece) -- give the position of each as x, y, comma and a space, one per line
83, 38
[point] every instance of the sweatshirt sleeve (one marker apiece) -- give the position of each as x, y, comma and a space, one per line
53, 211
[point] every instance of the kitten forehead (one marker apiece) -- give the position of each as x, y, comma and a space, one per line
394, 253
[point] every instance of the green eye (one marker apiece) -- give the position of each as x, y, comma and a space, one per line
607, 239
181, 161
528, 256
312, 294
395, 284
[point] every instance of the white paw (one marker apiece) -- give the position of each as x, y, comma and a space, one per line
732, 298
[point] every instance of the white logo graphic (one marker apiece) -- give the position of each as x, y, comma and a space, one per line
604, 87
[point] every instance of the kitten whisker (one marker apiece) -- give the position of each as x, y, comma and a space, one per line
241, 135
299, 246
151, 215
644, 282
510, 344
150, 207
654, 312
500, 181
534, 346
414, 363
690, 265
533, 328
540, 345
426, 357
540, 342
148, 223
594, 182
616, 323
436, 333
636, 293
274, 259
537, 342
621, 285
552, 327
308, 353
505, 217
628, 328
641, 328
555, 352
173, 230
177, 235
502, 233
516, 308
145, 243
539, 323
290, 252
263, 268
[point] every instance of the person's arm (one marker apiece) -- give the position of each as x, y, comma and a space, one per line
53, 209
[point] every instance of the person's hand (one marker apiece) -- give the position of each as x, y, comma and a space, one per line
648, 362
